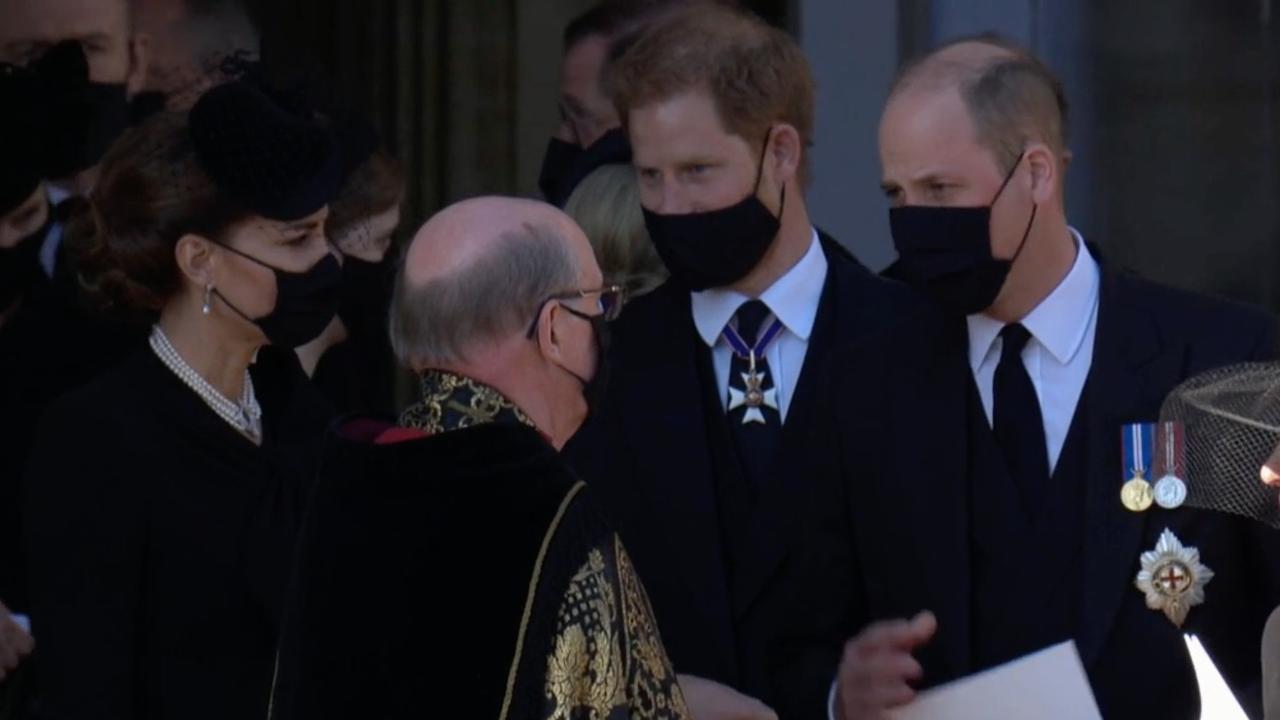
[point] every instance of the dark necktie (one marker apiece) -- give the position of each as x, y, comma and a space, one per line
1018, 422
754, 416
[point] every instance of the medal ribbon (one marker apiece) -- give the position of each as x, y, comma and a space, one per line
746, 352
1138, 439
1170, 451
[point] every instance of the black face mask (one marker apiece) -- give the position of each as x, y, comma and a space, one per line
593, 390
946, 252
20, 264
84, 117
719, 247
567, 164
305, 302
366, 292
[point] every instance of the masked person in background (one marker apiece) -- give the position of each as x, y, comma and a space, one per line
163, 497
590, 134
90, 93
67, 71
41, 353
25, 216
484, 582
85, 61
987, 448
710, 451
351, 361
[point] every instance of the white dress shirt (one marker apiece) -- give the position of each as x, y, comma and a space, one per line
793, 298
1058, 355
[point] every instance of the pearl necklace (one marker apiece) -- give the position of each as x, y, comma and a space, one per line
245, 416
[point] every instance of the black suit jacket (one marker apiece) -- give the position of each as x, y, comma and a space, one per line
906, 462
649, 458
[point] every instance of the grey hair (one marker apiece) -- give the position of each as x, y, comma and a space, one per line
438, 322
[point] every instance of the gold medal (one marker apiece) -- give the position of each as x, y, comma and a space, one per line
1136, 494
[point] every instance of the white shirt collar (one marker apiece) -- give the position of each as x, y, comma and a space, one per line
56, 194
1059, 323
793, 298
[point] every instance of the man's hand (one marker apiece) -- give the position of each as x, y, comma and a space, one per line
708, 700
15, 643
877, 667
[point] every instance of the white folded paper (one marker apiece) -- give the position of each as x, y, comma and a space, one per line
1216, 699
1047, 685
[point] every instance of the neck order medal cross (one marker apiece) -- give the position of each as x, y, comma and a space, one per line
1173, 578
753, 396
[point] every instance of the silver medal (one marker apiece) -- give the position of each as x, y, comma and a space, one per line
1170, 492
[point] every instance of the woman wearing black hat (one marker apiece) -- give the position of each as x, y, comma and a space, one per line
163, 497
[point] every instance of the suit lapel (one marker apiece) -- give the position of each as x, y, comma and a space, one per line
1130, 365
931, 412
666, 418
907, 474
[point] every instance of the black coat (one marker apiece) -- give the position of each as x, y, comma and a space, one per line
906, 463
414, 573
50, 346
653, 458
452, 575
159, 542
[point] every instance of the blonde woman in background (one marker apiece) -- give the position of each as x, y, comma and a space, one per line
607, 207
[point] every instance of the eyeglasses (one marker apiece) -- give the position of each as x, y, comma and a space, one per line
611, 298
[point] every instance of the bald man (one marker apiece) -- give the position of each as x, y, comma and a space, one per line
453, 565
988, 468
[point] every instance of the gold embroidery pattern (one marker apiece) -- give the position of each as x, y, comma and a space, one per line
533, 589
453, 402
654, 690
585, 672
607, 659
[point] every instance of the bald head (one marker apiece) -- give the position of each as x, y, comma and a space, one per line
469, 230
951, 65
1011, 97
476, 273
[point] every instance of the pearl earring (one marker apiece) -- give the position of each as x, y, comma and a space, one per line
208, 293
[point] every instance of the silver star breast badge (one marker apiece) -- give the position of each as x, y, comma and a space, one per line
1173, 578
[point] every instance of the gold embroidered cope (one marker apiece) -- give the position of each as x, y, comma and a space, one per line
607, 658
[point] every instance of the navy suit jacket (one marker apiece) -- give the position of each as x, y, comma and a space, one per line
651, 459
904, 458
